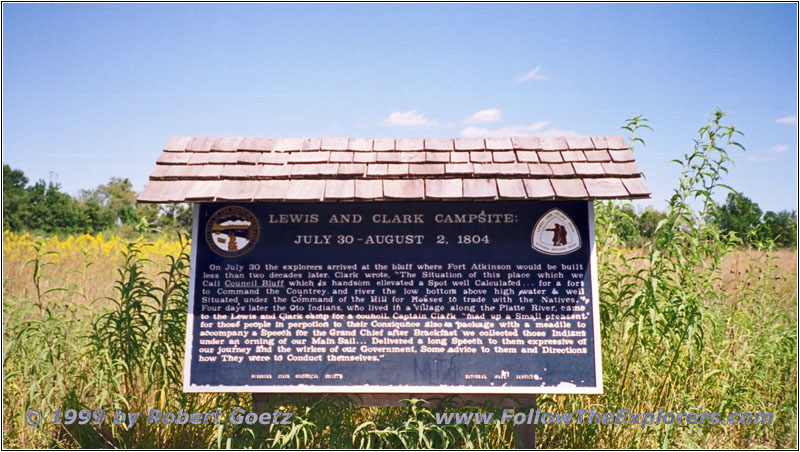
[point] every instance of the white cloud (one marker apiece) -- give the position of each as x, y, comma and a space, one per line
485, 116
759, 158
787, 120
779, 148
410, 118
533, 74
535, 129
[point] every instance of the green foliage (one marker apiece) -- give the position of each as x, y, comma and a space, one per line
679, 333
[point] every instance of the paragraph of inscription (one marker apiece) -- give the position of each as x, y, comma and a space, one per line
366, 312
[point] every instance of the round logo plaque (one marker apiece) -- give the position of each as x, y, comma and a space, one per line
232, 231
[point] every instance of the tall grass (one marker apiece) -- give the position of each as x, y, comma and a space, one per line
691, 322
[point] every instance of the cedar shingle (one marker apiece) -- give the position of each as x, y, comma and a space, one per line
597, 156
459, 168
342, 157
426, 169
271, 171
198, 158
527, 156
271, 190
605, 188
404, 188
239, 190
579, 143
480, 188
383, 144
365, 157
311, 145
469, 144
305, 190
200, 144
352, 169
600, 143
459, 157
409, 144
573, 156
174, 158
562, 169
238, 172
273, 158
306, 169
569, 188
340, 189
397, 169
621, 169
377, 169
617, 142
160, 172
499, 144
288, 144
539, 188
359, 145
210, 172
510, 188
248, 158
513, 168
369, 189
439, 144
550, 157
222, 157
164, 191
258, 144
486, 168
203, 190
309, 157
504, 157
177, 144
443, 188
554, 144
527, 143
412, 157
387, 157
226, 144
540, 169
183, 171
480, 157
621, 156
437, 157
636, 187
334, 144
588, 169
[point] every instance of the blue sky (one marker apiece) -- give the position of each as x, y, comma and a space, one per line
95, 91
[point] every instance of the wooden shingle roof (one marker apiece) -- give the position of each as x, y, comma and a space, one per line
208, 169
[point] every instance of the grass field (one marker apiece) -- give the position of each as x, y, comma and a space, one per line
55, 292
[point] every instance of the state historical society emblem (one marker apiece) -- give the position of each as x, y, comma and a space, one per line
555, 234
232, 231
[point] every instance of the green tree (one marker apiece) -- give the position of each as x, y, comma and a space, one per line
648, 221
739, 215
781, 228
14, 199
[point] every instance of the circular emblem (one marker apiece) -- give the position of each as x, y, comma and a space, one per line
555, 234
232, 231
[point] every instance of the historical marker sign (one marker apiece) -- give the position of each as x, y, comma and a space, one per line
447, 297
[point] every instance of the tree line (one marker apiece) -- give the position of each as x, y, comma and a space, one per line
43, 207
